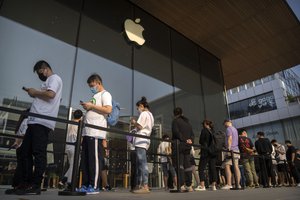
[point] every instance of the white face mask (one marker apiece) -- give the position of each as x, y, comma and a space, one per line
140, 110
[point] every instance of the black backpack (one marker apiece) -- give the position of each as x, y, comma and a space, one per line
217, 143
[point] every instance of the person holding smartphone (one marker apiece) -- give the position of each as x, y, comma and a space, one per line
46, 101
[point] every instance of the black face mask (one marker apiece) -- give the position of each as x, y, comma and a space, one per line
42, 77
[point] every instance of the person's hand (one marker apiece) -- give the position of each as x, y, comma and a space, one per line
132, 120
106, 152
87, 105
31, 92
189, 141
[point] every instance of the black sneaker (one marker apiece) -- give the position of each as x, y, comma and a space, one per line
11, 191
29, 191
107, 188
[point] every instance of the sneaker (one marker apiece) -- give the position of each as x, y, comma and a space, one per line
226, 187
183, 189
298, 185
34, 190
82, 189
199, 188
106, 188
190, 189
11, 191
141, 191
61, 185
213, 188
92, 190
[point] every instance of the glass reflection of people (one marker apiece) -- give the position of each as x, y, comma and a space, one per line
183, 132
46, 101
166, 162
97, 110
70, 149
20, 130
144, 126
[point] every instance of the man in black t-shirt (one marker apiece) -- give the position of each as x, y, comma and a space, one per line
291, 157
264, 149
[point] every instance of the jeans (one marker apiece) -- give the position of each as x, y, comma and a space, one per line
142, 166
250, 172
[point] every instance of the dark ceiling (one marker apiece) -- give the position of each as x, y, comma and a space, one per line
252, 38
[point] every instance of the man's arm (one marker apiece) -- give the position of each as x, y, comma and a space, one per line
41, 94
229, 142
100, 109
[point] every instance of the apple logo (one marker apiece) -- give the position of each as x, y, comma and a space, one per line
134, 31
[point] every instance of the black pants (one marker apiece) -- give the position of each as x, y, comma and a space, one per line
211, 161
90, 163
265, 169
185, 168
18, 175
34, 148
133, 177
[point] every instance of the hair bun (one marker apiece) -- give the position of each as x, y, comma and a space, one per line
144, 99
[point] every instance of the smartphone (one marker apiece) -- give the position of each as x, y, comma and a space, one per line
25, 88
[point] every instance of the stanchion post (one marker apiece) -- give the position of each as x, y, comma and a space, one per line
75, 166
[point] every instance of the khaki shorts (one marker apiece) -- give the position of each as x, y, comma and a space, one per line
228, 161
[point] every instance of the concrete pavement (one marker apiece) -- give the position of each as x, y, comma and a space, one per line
283, 193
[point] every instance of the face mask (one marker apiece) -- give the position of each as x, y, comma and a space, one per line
42, 77
94, 90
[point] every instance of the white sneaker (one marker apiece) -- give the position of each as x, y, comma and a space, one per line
213, 188
199, 188
226, 187
183, 188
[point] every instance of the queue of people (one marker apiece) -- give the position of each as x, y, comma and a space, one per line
272, 158
243, 164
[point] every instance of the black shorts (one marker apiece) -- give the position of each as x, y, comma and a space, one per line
281, 167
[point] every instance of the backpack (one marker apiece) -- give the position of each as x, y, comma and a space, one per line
217, 143
113, 117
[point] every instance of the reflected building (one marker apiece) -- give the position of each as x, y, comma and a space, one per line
270, 104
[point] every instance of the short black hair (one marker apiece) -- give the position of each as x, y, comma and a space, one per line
241, 131
40, 64
177, 111
260, 133
77, 114
288, 142
273, 141
94, 77
165, 136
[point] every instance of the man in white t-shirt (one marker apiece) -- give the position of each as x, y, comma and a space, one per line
97, 110
46, 102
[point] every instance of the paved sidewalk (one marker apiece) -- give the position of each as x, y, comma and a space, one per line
283, 193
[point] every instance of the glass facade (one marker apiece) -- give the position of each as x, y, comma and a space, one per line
79, 38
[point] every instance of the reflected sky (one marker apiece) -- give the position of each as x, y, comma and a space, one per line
21, 47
